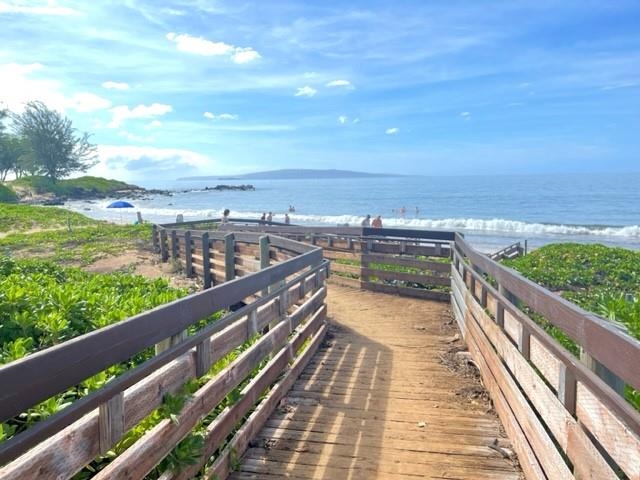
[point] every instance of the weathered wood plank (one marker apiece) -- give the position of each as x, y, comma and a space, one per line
583, 454
616, 350
482, 351
221, 468
407, 262
406, 291
619, 442
407, 277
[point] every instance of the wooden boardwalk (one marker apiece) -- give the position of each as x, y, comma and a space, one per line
378, 402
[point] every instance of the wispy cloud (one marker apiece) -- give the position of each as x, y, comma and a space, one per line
123, 112
222, 116
306, 91
201, 46
465, 115
244, 55
50, 7
392, 131
110, 85
342, 119
339, 83
139, 161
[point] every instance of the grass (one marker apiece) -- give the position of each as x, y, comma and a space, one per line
74, 187
20, 218
78, 246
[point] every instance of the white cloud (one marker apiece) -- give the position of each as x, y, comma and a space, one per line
134, 162
207, 48
132, 137
199, 45
153, 124
222, 116
87, 102
306, 91
342, 119
356, 120
18, 87
115, 85
123, 112
50, 7
392, 131
339, 83
465, 115
244, 55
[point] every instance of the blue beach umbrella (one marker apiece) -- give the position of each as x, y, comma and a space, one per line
120, 204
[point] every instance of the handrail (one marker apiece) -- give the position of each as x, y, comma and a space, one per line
46, 373
615, 349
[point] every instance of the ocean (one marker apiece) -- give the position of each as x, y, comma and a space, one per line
491, 211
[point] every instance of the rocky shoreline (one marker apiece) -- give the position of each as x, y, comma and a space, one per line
137, 193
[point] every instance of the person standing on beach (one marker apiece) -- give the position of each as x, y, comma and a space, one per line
367, 221
377, 222
287, 220
270, 217
225, 216
263, 218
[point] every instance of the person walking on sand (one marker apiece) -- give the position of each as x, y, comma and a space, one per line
225, 216
287, 220
367, 221
377, 222
270, 217
263, 218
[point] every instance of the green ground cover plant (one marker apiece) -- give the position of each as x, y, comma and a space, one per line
80, 245
74, 187
20, 218
600, 279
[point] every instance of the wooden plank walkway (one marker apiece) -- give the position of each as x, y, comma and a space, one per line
378, 402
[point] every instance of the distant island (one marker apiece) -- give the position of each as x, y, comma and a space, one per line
293, 174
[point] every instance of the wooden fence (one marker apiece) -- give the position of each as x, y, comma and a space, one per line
279, 328
563, 420
413, 263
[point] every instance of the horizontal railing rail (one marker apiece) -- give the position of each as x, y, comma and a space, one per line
563, 420
281, 299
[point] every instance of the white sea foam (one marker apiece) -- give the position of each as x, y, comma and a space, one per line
498, 226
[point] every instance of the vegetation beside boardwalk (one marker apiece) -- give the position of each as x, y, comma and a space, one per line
600, 279
81, 187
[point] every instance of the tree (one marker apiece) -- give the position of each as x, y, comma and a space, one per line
16, 155
57, 149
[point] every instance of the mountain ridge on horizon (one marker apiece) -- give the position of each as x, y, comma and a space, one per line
292, 174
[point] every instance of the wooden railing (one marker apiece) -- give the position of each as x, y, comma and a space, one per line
563, 420
511, 251
282, 318
413, 263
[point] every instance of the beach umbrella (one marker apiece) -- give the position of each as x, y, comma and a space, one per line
120, 204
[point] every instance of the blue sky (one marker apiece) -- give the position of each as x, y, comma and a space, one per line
191, 87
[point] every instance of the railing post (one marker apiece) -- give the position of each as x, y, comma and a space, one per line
174, 244
206, 260
164, 252
265, 260
188, 260
155, 238
203, 357
229, 256
567, 387
111, 422
610, 378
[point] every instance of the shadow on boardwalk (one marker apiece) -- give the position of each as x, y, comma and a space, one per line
377, 402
